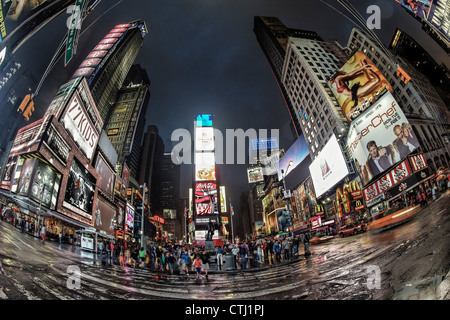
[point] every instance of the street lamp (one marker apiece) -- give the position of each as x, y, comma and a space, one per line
286, 195
142, 217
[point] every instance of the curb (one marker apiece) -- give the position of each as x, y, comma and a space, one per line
443, 290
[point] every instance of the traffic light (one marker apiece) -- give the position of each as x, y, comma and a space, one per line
29, 110
77, 184
24, 103
403, 75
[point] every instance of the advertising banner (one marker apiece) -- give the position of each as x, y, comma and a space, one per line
169, 214
106, 180
296, 153
79, 125
205, 168
79, 195
418, 162
223, 200
206, 198
204, 139
374, 192
255, 175
129, 219
329, 167
45, 180
379, 138
104, 216
357, 85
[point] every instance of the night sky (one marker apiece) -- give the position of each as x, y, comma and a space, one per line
202, 57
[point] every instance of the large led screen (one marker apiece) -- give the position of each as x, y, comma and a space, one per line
205, 168
296, 153
79, 196
380, 138
129, 219
106, 180
357, 85
206, 198
204, 139
328, 168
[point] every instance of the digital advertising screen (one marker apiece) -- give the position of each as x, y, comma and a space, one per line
106, 180
255, 174
204, 139
206, 201
296, 153
381, 137
79, 194
205, 168
45, 180
329, 167
104, 216
129, 219
357, 85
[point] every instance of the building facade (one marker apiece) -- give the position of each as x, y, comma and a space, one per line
108, 64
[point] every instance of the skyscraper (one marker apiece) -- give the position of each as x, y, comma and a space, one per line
272, 35
308, 65
150, 166
125, 127
107, 66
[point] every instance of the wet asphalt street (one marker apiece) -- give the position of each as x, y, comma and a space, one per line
410, 261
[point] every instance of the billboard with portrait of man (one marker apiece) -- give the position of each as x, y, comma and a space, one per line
379, 138
357, 85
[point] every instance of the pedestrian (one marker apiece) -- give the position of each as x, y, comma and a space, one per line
286, 249
171, 261
101, 247
43, 233
185, 262
259, 253
121, 257
198, 266
134, 256
244, 255
306, 244
219, 256
277, 251
205, 262
434, 192
142, 256
60, 237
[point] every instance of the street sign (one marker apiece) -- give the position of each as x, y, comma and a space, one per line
72, 35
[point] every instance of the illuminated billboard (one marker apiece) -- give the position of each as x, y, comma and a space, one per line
205, 168
380, 138
329, 167
223, 200
421, 8
204, 139
106, 180
296, 153
204, 120
357, 85
206, 198
80, 190
129, 219
80, 126
255, 174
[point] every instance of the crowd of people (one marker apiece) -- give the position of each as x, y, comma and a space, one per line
176, 259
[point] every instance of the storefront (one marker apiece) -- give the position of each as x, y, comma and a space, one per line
399, 186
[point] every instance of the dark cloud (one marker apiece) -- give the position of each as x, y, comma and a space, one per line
202, 57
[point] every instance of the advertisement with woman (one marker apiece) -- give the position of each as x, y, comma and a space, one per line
357, 85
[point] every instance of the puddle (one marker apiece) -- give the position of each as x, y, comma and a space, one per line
421, 290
